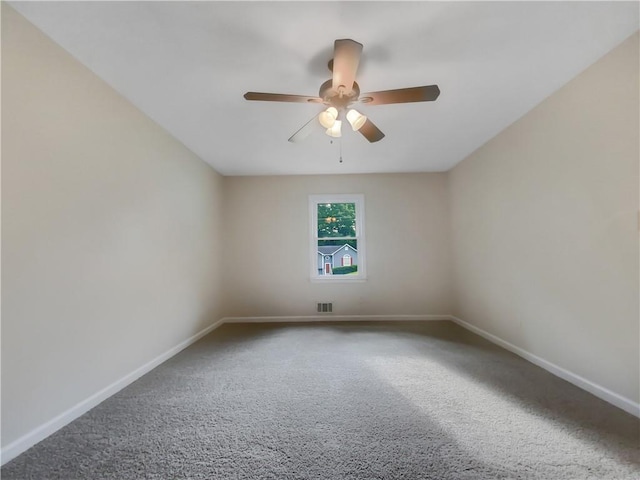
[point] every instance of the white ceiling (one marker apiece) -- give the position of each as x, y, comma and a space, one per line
187, 65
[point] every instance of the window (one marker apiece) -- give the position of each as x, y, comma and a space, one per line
337, 237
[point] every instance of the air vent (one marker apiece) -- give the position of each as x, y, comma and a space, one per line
325, 307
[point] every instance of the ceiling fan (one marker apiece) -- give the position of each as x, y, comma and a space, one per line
341, 92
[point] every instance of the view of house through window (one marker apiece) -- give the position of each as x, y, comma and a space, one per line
337, 236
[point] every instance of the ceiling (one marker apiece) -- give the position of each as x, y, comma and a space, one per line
188, 64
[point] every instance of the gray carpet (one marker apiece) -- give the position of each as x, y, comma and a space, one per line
388, 400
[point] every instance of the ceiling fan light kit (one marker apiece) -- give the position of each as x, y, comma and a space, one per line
356, 119
336, 130
342, 91
328, 117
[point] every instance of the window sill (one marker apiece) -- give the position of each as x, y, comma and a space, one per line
338, 279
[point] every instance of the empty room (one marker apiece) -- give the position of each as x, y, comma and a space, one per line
320, 240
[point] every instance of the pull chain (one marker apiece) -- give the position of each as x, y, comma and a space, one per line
339, 146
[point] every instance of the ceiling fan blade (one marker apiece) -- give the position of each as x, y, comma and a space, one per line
371, 132
346, 57
279, 97
304, 131
402, 95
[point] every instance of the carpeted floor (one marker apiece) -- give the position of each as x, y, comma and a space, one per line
384, 400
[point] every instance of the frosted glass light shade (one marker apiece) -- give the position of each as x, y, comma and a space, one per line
336, 130
328, 117
356, 119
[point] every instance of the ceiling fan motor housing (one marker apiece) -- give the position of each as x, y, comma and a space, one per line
340, 98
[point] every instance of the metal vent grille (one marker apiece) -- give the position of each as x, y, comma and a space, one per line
325, 307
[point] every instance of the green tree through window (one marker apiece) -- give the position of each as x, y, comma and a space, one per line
337, 220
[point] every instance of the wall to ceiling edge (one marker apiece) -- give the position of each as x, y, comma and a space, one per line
541, 253
116, 237
111, 238
117, 241
544, 224
267, 272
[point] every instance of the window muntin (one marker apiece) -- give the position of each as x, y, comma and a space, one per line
337, 237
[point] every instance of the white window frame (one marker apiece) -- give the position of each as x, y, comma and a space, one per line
356, 198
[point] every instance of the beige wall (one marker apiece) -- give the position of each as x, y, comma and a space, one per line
407, 229
110, 229
545, 227
119, 243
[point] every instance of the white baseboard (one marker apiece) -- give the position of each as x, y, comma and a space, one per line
329, 317
599, 391
38, 434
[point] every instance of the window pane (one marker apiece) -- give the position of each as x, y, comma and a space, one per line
337, 237
337, 257
336, 220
